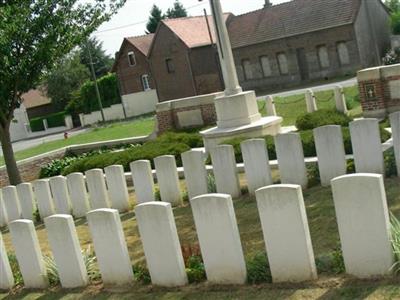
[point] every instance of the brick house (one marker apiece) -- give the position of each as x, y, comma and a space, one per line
184, 59
305, 40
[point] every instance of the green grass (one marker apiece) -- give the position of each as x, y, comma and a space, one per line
290, 107
324, 236
120, 130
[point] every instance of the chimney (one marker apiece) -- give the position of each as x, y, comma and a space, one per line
267, 4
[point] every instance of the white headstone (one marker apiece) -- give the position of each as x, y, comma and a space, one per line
98, 194
256, 164
11, 203
310, 101
59, 190
142, 181
225, 170
289, 151
43, 198
363, 221
219, 239
161, 244
66, 250
3, 213
367, 147
286, 233
117, 187
340, 99
167, 178
395, 124
6, 275
26, 200
270, 106
78, 194
110, 246
330, 152
28, 253
195, 172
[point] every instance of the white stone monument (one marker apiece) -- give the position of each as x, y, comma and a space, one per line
97, 188
395, 124
3, 213
237, 111
11, 203
168, 180
43, 198
310, 101
26, 200
78, 194
117, 187
340, 99
143, 181
59, 190
195, 172
6, 275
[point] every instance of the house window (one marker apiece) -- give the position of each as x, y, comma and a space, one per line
283, 63
343, 53
248, 72
265, 66
131, 59
145, 82
170, 65
323, 57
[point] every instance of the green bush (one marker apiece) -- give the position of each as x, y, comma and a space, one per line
331, 263
141, 274
390, 163
56, 120
320, 118
195, 269
258, 269
36, 124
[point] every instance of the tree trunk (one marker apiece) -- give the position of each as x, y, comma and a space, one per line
9, 158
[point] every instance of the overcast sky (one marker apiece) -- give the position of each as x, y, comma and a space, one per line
131, 19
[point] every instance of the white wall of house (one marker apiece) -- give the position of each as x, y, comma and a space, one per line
19, 125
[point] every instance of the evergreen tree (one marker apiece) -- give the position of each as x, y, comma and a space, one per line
102, 62
177, 11
156, 16
394, 5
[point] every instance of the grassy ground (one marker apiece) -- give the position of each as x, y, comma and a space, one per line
324, 235
120, 130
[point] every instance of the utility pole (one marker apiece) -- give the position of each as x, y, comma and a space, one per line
95, 82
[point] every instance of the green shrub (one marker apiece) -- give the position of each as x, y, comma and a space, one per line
352, 101
56, 120
258, 270
15, 270
36, 124
390, 163
331, 263
195, 269
395, 239
211, 185
322, 117
141, 274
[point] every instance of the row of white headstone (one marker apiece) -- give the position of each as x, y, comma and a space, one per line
311, 102
68, 195
361, 213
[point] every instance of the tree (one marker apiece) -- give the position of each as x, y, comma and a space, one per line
156, 16
102, 62
33, 36
65, 79
393, 5
177, 11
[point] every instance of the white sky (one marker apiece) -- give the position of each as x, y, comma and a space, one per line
137, 12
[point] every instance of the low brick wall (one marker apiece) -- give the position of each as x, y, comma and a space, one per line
186, 113
379, 90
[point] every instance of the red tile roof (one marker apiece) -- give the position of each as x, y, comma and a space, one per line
290, 18
142, 43
193, 31
35, 98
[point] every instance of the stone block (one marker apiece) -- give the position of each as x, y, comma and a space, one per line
26, 200
43, 197
225, 170
190, 118
330, 151
11, 203
117, 188
256, 164
340, 99
270, 106
142, 181
78, 194
219, 239
168, 181
286, 233
195, 172
310, 101
98, 194
161, 244
395, 124
28, 253
59, 190
363, 221
110, 246
6, 275
289, 151
64, 244
367, 147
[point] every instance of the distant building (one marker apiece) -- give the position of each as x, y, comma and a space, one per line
305, 40
37, 104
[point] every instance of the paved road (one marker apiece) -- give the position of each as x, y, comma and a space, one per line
317, 88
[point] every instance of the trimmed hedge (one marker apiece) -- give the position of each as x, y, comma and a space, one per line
36, 124
53, 120
322, 117
167, 144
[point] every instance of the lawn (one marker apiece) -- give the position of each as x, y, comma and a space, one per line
120, 130
324, 235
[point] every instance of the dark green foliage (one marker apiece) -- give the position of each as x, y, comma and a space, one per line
185, 196
352, 101
156, 16
177, 11
393, 5
36, 215
258, 269
195, 269
36, 124
331, 263
56, 120
322, 117
157, 194
102, 62
351, 168
395, 22
141, 274
19, 281
390, 163
211, 185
